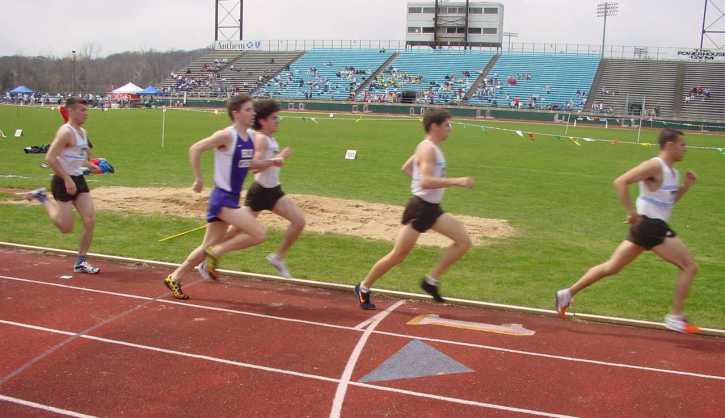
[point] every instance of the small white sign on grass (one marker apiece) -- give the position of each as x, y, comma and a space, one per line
351, 154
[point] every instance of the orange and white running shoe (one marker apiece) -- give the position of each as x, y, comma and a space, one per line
562, 300
679, 323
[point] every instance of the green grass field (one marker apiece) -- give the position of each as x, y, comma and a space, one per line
557, 194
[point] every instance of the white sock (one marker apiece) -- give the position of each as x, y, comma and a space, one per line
431, 280
364, 289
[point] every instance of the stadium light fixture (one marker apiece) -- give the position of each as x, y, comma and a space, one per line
226, 24
605, 9
73, 75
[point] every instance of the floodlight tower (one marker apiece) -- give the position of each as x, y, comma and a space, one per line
73, 81
706, 29
608, 8
227, 26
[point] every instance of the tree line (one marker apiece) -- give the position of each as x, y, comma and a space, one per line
92, 74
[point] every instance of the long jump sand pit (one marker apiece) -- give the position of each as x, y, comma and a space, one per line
323, 214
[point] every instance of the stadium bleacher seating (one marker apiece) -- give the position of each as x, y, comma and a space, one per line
535, 80
558, 81
438, 76
325, 74
195, 78
626, 83
710, 76
243, 75
220, 73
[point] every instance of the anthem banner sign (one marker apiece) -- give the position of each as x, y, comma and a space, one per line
237, 45
702, 54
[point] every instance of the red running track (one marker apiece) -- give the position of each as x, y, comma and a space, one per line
117, 345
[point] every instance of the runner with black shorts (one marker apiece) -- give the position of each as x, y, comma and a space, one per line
427, 167
659, 190
266, 192
68, 157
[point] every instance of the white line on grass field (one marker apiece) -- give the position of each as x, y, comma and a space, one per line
391, 334
47, 408
354, 356
351, 118
285, 372
341, 286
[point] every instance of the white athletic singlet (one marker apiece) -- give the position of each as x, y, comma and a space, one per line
429, 195
73, 158
269, 177
659, 204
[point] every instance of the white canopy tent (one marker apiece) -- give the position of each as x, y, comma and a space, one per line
129, 88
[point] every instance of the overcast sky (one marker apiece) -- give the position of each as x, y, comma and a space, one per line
55, 27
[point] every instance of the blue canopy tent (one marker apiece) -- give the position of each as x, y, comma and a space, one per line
21, 90
150, 91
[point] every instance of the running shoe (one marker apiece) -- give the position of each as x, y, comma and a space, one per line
203, 270
363, 299
279, 265
212, 263
175, 287
39, 194
679, 323
432, 290
86, 267
562, 299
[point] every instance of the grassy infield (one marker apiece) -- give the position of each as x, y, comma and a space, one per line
557, 194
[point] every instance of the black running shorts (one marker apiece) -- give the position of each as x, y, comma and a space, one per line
57, 187
260, 198
649, 233
422, 214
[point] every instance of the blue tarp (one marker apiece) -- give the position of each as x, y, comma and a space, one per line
150, 91
21, 90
